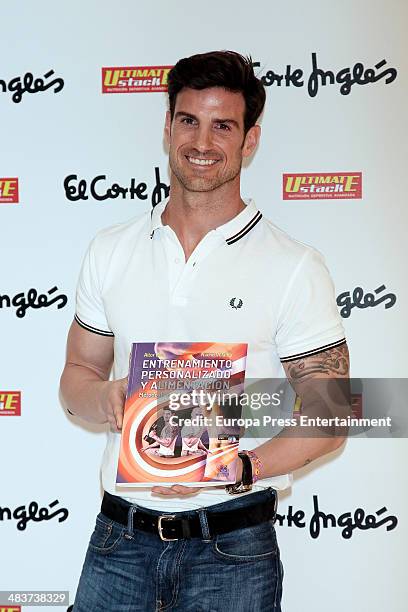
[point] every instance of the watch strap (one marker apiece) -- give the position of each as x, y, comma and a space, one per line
246, 477
245, 484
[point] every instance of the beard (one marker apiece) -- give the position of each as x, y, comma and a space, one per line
194, 182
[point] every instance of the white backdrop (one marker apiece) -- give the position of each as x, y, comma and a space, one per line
47, 456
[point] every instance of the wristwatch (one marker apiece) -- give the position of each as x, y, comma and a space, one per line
245, 484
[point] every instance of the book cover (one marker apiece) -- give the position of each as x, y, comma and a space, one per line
182, 411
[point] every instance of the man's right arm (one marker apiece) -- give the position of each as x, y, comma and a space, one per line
85, 389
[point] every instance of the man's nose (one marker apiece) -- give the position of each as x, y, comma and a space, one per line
203, 139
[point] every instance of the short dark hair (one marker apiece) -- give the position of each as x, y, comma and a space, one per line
227, 69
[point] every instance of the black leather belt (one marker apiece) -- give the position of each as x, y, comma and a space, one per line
174, 527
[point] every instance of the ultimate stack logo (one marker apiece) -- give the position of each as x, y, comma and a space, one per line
322, 186
135, 79
8, 190
10, 403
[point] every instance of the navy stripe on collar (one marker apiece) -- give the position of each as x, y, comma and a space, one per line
247, 228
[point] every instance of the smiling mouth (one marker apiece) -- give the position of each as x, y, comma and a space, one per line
197, 161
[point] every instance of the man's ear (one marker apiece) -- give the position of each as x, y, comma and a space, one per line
251, 140
167, 128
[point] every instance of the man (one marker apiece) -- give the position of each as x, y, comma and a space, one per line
166, 440
199, 549
191, 434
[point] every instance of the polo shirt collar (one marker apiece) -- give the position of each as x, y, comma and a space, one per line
232, 231
155, 216
239, 226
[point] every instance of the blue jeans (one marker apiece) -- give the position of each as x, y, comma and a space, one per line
127, 570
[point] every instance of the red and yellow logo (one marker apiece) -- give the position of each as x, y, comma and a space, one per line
10, 404
8, 190
135, 79
322, 186
10, 608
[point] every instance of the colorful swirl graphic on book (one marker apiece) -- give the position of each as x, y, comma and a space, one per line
167, 441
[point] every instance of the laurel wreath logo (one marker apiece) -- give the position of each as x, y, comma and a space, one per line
235, 304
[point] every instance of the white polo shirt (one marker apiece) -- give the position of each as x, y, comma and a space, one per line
246, 281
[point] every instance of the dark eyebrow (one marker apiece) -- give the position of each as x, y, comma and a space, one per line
231, 121
185, 114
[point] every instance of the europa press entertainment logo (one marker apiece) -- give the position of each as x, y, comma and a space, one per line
322, 186
9, 190
134, 79
10, 403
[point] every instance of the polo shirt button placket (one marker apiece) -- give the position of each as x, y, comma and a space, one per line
183, 287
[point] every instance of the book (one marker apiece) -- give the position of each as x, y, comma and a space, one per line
181, 416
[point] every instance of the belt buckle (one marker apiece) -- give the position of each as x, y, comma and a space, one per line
160, 526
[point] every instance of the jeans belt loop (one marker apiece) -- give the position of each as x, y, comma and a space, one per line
129, 528
202, 514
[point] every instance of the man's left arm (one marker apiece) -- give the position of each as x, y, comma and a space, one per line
322, 383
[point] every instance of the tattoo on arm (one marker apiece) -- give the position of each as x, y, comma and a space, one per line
334, 362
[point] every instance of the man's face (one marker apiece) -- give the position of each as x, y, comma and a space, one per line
166, 415
206, 138
196, 411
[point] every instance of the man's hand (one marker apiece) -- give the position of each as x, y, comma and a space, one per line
176, 490
112, 401
322, 383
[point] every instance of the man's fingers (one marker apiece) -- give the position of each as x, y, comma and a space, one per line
114, 403
118, 402
112, 423
181, 490
175, 490
163, 490
118, 415
123, 386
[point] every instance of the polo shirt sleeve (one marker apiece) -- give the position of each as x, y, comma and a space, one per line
90, 311
308, 321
